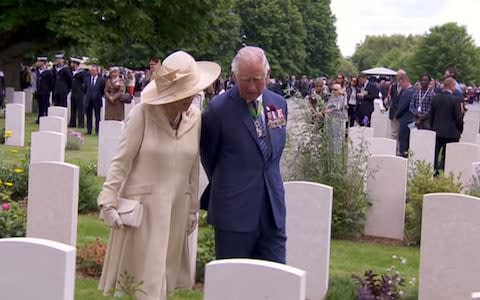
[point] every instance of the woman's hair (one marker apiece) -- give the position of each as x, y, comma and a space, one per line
250, 54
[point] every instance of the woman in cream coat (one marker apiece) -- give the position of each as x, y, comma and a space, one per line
157, 164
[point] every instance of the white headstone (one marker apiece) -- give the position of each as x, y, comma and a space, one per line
128, 108
476, 296
36, 269
458, 160
381, 125
9, 94
59, 111
102, 110
69, 108
28, 100
241, 279
19, 98
309, 218
15, 123
108, 141
52, 210
386, 190
449, 264
381, 146
47, 146
476, 170
470, 130
358, 136
55, 124
422, 145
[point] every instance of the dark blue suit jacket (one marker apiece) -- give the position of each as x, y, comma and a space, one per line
241, 179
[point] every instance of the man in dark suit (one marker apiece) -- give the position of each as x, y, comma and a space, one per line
45, 85
63, 81
93, 98
77, 99
367, 92
392, 102
446, 119
242, 140
404, 115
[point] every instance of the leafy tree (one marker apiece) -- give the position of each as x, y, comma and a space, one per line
277, 27
446, 46
321, 37
346, 67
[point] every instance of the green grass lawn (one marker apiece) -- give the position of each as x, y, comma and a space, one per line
347, 257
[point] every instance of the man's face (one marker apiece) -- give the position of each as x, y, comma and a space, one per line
424, 81
362, 80
40, 64
251, 80
94, 72
60, 61
152, 64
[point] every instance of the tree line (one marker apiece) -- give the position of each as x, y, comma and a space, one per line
299, 36
447, 45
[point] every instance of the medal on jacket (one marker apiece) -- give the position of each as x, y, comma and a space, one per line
258, 128
256, 111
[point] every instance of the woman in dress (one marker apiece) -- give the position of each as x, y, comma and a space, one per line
158, 164
114, 90
336, 117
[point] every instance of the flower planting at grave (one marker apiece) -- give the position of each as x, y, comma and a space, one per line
13, 217
74, 140
15, 177
90, 257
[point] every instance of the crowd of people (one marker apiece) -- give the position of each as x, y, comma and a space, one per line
427, 103
86, 84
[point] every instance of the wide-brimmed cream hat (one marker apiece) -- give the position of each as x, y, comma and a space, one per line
179, 77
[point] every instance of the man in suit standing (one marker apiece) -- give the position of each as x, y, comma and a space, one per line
367, 92
63, 81
93, 98
404, 115
446, 119
242, 140
392, 102
79, 88
45, 85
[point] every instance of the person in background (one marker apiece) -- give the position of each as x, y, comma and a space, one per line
242, 140
25, 79
421, 103
2, 89
77, 99
45, 85
367, 92
404, 116
470, 95
351, 94
446, 119
336, 117
93, 98
152, 63
392, 103
114, 90
452, 73
340, 79
157, 163
130, 83
63, 81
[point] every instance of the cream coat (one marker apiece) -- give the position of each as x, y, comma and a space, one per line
158, 166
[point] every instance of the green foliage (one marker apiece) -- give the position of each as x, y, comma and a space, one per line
205, 251
74, 140
340, 288
321, 37
448, 45
128, 287
89, 188
13, 217
343, 172
347, 68
15, 177
423, 182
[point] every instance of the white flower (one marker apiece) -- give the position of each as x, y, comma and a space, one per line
394, 257
400, 292
404, 261
390, 282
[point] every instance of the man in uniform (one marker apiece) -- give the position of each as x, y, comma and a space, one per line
79, 88
45, 84
63, 81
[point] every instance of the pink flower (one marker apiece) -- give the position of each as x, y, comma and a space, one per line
5, 206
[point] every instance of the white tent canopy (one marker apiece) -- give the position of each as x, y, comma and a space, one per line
380, 71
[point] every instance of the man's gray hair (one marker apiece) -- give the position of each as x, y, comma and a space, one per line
250, 54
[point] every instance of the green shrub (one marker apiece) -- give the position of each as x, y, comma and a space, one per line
205, 251
421, 182
89, 188
13, 217
340, 288
345, 173
15, 176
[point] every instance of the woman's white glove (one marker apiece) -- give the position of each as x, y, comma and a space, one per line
111, 217
192, 223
